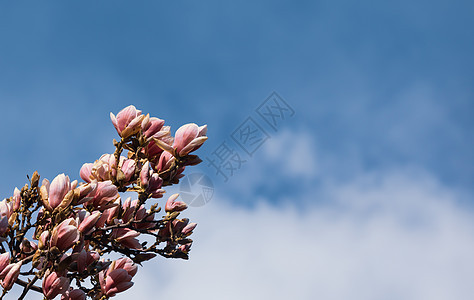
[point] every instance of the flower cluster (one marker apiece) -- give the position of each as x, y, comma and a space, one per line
61, 231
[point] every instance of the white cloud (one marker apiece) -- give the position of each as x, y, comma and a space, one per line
395, 236
295, 151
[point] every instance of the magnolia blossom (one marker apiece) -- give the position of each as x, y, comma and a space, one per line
43, 240
159, 141
104, 195
6, 211
58, 192
127, 237
16, 199
65, 234
118, 277
151, 127
128, 121
189, 138
109, 215
165, 162
185, 248
151, 181
124, 263
116, 281
54, 284
173, 205
10, 274
102, 169
4, 260
88, 221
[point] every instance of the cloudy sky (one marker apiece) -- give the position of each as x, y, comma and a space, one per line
361, 189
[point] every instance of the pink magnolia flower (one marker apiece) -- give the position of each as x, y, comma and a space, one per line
145, 174
53, 194
124, 263
128, 169
6, 211
16, 199
4, 260
102, 169
65, 234
75, 294
86, 191
86, 172
151, 181
188, 229
154, 186
154, 148
189, 138
127, 237
89, 220
10, 274
165, 161
92, 257
128, 121
53, 285
128, 209
173, 205
114, 282
104, 195
152, 127
43, 240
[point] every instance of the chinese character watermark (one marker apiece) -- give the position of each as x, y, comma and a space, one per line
274, 110
197, 189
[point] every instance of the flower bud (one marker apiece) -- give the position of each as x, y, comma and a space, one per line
4, 260
115, 282
10, 274
43, 240
86, 172
154, 186
188, 229
127, 237
151, 126
145, 175
165, 162
105, 194
16, 199
58, 189
88, 223
173, 205
125, 263
128, 169
53, 285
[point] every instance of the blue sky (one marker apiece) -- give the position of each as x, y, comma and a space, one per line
382, 93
